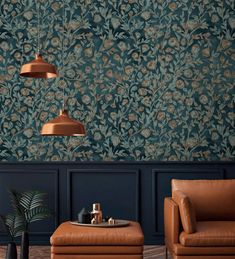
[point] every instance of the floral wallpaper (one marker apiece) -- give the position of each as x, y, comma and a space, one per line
150, 79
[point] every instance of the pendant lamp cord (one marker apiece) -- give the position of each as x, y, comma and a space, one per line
38, 14
63, 38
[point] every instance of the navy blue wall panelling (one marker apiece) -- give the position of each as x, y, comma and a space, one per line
128, 190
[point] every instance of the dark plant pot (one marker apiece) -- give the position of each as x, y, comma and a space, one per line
11, 251
24, 250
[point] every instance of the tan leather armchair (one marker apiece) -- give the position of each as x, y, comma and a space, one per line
199, 219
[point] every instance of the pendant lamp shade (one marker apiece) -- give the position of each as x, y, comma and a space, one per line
38, 68
63, 125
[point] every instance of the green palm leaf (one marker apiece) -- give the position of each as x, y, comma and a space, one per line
32, 199
29, 206
36, 214
15, 201
15, 224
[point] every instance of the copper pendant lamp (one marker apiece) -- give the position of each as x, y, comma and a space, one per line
63, 125
38, 68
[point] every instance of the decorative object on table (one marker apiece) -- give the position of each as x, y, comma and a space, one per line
106, 219
38, 68
94, 221
63, 125
84, 216
117, 223
28, 207
96, 214
14, 226
111, 221
95, 218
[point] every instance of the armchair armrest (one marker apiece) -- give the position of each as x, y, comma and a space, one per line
171, 222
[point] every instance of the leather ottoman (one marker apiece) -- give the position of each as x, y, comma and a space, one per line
69, 242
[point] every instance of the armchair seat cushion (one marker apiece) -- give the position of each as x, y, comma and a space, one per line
210, 233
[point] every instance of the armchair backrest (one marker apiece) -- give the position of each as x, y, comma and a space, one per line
212, 199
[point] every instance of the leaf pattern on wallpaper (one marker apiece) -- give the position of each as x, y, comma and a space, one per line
150, 79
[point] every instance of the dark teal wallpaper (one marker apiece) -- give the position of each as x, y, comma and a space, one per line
150, 79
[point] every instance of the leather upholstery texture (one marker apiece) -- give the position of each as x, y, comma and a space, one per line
219, 250
211, 233
214, 203
68, 235
187, 212
171, 221
212, 199
203, 257
97, 250
59, 256
71, 241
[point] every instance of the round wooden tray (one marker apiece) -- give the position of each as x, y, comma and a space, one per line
118, 223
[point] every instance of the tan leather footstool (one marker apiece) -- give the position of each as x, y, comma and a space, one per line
70, 242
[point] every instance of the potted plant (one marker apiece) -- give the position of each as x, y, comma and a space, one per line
28, 206
14, 226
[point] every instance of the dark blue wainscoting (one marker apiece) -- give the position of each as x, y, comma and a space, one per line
128, 190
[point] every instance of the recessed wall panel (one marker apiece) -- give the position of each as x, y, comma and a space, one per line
45, 181
117, 191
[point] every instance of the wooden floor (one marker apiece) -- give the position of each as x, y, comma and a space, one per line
43, 252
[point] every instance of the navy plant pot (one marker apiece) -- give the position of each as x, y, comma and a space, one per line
24, 250
11, 251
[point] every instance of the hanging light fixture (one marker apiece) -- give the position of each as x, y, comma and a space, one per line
38, 68
63, 125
